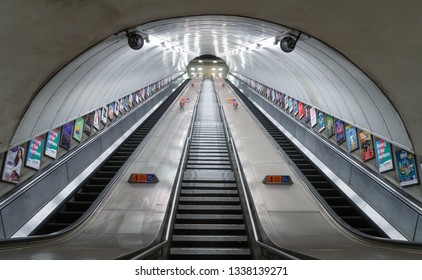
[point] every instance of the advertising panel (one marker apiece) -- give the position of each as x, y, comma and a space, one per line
300, 108
66, 135
290, 105
111, 111
104, 113
307, 114
313, 114
126, 103
286, 102
96, 122
384, 155
34, 155
321, 123
88, 123
366, 147
340, 136
13, 164
122, 105
77, 131
352, 138
52, 143
406, 168
295, 108
116, 109
329, 123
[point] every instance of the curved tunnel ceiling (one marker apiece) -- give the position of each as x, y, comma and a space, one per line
313, 73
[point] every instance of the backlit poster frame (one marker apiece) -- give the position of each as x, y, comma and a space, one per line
295, 108
88, 123
352, 138
290, 104
121, 105
286, 102
366, 146
35, 152
52, 143
320, 120
313, 114
307, 114
300, 109
339, 129
329, 125
384, 155
13, 164
111, 111
406, 168
104, 115
116, 108
96, 122
66, 135
78, 128
126, 103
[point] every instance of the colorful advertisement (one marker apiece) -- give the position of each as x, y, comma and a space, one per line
352, 138
126, 103
290, 105
384, 155
88, 123
130, 100
66, 135
321, 123
329, 123
121, 105
34, 155
340, 136
104, 113
116, 109
96, 122
366, 147
307, 114
295, 107
111, 111
300, 108
52, 143
313, 114
77, 132
406, 168
282, 100
286, 102
13, 164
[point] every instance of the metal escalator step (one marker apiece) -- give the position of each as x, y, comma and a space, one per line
110, 168
208, 166
215, 160
208, 185
210, 238
229, 227
203, 155
105, 174
209, 217
208, 199
93, 188
68, 216
77, 206
83, 196
210, 251
210, 207
209, 192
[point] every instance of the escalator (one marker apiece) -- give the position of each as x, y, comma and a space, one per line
87, 193
209, 221
331, 195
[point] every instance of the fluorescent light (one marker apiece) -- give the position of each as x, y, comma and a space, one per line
214, 61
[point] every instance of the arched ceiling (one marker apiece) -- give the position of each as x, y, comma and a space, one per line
39, 38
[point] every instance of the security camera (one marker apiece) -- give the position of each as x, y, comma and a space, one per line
288, 43
135, 40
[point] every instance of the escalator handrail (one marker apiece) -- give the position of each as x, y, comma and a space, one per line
277, 251
142, 253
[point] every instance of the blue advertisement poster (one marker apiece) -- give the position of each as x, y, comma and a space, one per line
320, 119
406, 168
34, 155
295, 107
351, 138
384, 156
66, 135
340, 136
290, 105
52, 143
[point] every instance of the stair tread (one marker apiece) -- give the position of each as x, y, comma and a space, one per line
211, 238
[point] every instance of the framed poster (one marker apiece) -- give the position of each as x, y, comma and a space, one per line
66, 135
295, 108
329, 125
13, 164
52, 143
77, 131
351, 138
290, 105
313, 114
130, 100
307, 114
116, 109
126, 103
366, 147
286, 102
121, 105
34, 154
104, 113
384, 156
406, 168
282, 100
138, 97
320, 119
300, 109
88, 123
96, 121
111, 111
340, 136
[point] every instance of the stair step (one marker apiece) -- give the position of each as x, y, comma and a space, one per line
208, 192
210, 251
211, 238
208, 217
